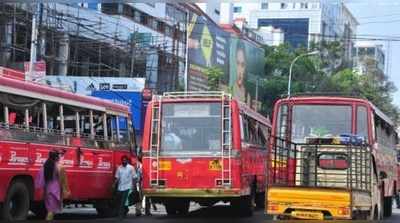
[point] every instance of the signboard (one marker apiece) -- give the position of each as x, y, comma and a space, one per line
208, 47
246, 68
131, 99
86, 85
38, 72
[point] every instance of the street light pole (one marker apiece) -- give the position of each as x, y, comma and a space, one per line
291, 68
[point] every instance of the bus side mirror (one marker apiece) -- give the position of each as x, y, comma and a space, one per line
382, 175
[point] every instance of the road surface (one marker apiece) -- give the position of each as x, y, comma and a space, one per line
220, 213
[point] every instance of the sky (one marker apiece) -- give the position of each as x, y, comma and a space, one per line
382, 19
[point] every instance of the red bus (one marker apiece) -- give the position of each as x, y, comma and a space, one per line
300, 118
204, 147
91, 134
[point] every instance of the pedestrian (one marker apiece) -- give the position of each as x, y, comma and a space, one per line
124, 178
139, 171
52, 179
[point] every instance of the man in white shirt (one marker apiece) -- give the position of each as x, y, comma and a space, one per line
124, 177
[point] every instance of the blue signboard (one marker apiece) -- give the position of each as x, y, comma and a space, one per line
129, 98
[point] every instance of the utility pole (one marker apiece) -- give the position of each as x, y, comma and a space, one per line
187, 52
32, 60
133, 49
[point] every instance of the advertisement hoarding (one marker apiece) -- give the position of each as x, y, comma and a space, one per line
208, 47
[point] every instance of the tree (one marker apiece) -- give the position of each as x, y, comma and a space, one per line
328, 73
214, 76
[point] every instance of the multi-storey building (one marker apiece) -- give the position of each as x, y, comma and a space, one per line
108, 40
302, 21
369, 55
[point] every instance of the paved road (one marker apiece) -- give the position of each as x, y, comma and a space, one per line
219, 213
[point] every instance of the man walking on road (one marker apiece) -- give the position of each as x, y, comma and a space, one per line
124, 178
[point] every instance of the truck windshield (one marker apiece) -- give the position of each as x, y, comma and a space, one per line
191, 127
320, 121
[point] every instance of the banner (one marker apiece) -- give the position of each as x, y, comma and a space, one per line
246, 70
208, 47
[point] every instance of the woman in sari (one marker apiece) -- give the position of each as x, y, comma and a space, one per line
53, 181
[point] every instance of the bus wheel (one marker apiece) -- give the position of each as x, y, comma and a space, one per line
16, 204
106, 208
245, 204
39, 209
387, 206
177, 207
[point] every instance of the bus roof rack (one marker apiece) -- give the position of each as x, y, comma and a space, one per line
338, 94
195, 94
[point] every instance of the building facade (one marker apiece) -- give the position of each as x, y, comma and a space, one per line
369, 55
302, 21
105, 40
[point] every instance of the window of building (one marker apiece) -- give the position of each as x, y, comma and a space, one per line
264, 5
144, 19
136, 16
304, 5
217, 11
284, 5
237, 9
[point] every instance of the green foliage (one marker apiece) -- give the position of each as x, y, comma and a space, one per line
214, 76
327, 73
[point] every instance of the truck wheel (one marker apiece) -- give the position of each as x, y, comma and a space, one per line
39, 209
106, 209
16, 204
177, 207
387, 206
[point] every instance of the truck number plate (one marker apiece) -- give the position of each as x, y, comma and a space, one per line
308, 215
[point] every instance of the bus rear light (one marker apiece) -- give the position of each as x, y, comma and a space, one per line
220, 183
160, 183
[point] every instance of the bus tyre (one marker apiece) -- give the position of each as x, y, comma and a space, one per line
245, 205
16, 203
177, 207
387, 206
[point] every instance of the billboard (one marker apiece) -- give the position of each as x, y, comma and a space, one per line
85, 85
132, 99
246, 69
208, 47
126, 91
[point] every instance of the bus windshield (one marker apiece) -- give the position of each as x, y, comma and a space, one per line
191, 127
320, 121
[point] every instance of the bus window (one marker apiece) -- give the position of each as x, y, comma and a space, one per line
362, 122
282, 121
385, 133
191, 127
320, 121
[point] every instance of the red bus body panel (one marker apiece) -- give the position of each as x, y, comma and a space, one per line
385, 159
90, 176
192, 176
